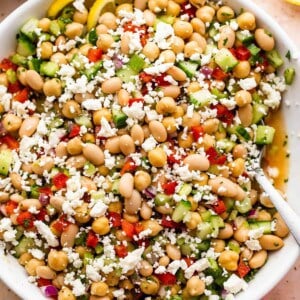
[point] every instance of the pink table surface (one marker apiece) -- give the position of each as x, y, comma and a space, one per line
288, 16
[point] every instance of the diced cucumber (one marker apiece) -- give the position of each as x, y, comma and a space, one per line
180, 211
11, 76
80, 238
186, 249
89, 169
233, 215
19, 60
56, 122
289, 75
84, 120
205, 215
25, 47
201, 98
243, 206
256, 98
115, 187
203, 246
259, 111
242, 133
55, 28
185, 189
225, 145
29, 28
35, 64
92, 72
204, 230
245, 37
234, 246
6, 159
188, 67
264, 135
214, 269
274, 58
67, 14
165, 19
93, 37
213, 31
119, 118
162, 199
225, 60
254, 50
24, 245
216, 223
136, 63
87, 258
229, 204
77, 62
126, 74
265, 225
218, 93
49, 68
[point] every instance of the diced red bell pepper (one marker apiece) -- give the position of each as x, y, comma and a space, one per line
138, 227
169, 223
189, 261
169, 187
188, 9
219, 74
242, 53
60, 180
94, 55
167, 278
129, 166
143, 242
130, 27
7, 64
10, 206
41, 216
74, 130
145, 78
14, 87
115, 219
144, 38
61, 224
173, 160
10, 141
45, 190
92, 239
197, 132
121, 250
219, 207
128, 228
43, 282
160, 80
22, 95
135, 100
214, 157
224, 114
243, 269
25, 219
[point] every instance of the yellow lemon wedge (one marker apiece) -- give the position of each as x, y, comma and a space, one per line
98, 8
57, 6
295, 2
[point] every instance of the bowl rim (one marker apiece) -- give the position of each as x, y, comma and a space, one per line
17, 14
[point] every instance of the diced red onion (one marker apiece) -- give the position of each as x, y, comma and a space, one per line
49, 290
150, 192
118, 63
44, 199
224, 293
206, 71
253, 213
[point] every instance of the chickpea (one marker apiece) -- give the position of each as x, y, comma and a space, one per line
183, 29
59, 58
25, 258
65, 294
52, 87
194, 120
166, 105
153, 225
246, 254
192, 48
3, 79
173, 8
73, 29
264, 39
157, 5
226, 232
198, 26
241, 235
71, 109
170, 124
242, 69
149, 285
100, 29
46, 50
237, 167
126, 7
210, 126
193, 220
239, 151
102, 113
242, 98
99, 289
167, 56
109, 20
80, 16
145, 268
57, 260
185, 141
44, 24
146, 211
229, 260
123, 97
151, 51
11, 122
219, 245
195, 286
142, 180
246, 21
225, 13
101, 225
157, 157
193, 87
177, 45
149, 17
105, 41
205, 13
32, 265
164, 261
263, 215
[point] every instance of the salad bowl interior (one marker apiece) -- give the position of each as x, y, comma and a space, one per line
280, 262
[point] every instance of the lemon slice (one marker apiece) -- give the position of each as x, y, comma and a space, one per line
98, 8
295, 2
57, 6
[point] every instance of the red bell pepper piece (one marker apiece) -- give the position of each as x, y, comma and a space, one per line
6, 64
243, 269
135, 100
94, 55
92, 239
172, 159
138, 227
197, 132
188, 9
224, 114
169, 223
74, 131
129, 166
41, 216
242, 53
160, 80
128, 228
61, 224
14, 87
22, 95
189, 261
219, 207
145, 78
45, 190
214, 157
25, 219
121, 250
10, 206
169, 187
60, 180
10, 141
43, 282
167, 278
115, 219
219, 74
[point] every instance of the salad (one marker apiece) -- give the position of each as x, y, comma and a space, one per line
129, 139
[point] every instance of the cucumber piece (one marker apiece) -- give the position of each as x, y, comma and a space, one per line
242, 133
201, 98
225, 60
216, 223
11, 76
180, 211
115, 187
254, 50
289, 75
84, 121
205, 215
93, 37
274, 58
218, 93
186, 249
212, 31
229, 203
233, 246
92, 72
126, 74
188, 67
119, 118
163, 19
67, 15
265, 225
35, 64
162, 199
264, 135
19, 60
6, 159
89, 169
225, 145
233, 215
49, 68
245, 37
215, 270
136, 63
25, 47
80, 238
77, 62
259, 112
185, 189
87, 258
204, 246
56, 122
55, 28
243, 206
35, 189
29, 28
24, 245
204, 230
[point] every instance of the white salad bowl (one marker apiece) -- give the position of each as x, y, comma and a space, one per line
278, 263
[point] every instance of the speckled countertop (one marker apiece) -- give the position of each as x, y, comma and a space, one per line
288, 16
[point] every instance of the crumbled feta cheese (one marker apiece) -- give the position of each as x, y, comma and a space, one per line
158, 69
98, 210
247, 84
91, 104
256, 233
37, 253
234, 284
198, 266
253, 245
163, 31
46, 233
130, 261
79, 5
149, 144
135, 111
106, 130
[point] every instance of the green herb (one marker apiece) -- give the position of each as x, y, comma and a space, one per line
288, 55
286, 180
225, 41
